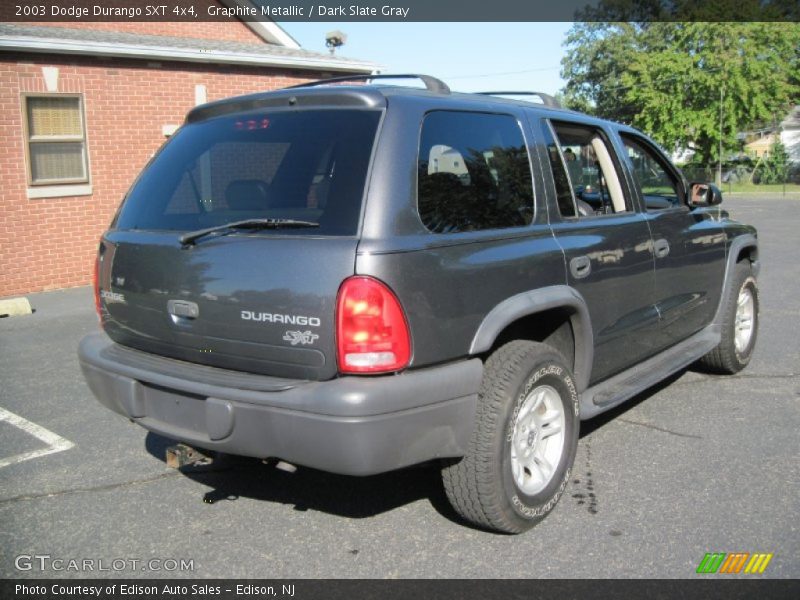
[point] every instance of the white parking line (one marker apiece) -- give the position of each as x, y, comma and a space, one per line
55, 443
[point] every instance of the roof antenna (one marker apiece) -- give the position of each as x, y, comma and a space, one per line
335, 39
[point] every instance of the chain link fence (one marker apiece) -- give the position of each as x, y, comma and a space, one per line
744, 175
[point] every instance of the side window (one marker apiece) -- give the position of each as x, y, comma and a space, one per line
564, 196
592, 172
473, 173
658, 185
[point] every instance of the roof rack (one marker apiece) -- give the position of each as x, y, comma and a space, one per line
431, 83
547, 99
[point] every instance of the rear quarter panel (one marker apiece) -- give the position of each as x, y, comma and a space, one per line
447, 283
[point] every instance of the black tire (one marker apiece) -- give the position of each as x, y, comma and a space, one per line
726, 359
481, 486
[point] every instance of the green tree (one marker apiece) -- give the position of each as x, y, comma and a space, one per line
597, 56
689, 84
775, 166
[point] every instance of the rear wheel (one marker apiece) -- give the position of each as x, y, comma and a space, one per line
523, 443
739, 325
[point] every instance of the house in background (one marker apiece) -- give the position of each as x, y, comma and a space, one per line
83, 107
759, 142
790, 134
759, 146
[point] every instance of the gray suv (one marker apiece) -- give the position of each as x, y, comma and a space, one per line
359, 278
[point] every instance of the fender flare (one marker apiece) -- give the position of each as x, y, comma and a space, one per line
747, 240
536, 301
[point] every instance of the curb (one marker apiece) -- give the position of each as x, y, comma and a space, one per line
14, 307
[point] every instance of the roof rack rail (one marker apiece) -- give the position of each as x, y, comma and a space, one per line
431, 83
547, 99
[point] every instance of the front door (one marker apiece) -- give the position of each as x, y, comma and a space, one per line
689, 244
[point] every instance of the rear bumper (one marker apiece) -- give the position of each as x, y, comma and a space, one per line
349, 425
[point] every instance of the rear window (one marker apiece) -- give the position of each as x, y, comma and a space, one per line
305, 165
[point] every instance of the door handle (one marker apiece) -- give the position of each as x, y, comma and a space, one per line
580, 266
661, 248
182, 312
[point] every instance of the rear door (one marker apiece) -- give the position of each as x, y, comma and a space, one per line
257, 300
689, 245
606, 243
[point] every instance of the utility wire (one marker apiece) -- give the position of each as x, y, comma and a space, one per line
616, 88
503, 73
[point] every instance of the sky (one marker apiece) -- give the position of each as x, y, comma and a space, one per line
469, 57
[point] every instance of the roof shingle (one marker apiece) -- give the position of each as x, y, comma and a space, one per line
63, 38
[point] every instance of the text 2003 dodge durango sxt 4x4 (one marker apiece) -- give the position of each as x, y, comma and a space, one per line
359, 278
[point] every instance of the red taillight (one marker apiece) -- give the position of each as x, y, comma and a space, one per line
96, 283
371, 330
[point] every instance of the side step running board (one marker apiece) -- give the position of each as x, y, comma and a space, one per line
611, 392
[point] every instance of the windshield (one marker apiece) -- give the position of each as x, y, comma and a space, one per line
306, 165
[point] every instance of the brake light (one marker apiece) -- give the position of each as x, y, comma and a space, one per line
371, 330
252, 124
96, 283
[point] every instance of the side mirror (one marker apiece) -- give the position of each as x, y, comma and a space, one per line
704, 194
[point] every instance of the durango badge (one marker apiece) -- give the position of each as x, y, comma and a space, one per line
264, 317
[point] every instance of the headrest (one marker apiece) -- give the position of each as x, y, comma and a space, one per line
246, 194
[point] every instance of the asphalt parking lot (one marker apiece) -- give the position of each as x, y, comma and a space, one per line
698, 464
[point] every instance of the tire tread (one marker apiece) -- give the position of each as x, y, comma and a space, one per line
722, 359
469, 484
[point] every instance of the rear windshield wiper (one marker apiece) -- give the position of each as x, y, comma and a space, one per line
193, 236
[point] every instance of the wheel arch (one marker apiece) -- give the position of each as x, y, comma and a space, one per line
743, 247
558, 300
746, 250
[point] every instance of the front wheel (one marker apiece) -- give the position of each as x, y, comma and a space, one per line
739, 325
524, 440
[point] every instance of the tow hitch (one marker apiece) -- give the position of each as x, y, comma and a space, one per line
181, 455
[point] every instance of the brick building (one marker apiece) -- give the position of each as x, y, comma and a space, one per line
83, 106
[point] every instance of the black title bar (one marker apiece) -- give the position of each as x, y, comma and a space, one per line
369, 589
399, 10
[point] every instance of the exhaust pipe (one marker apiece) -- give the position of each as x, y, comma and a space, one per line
284, 466
181, 455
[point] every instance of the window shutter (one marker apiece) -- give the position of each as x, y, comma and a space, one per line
57, 161
56, 139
